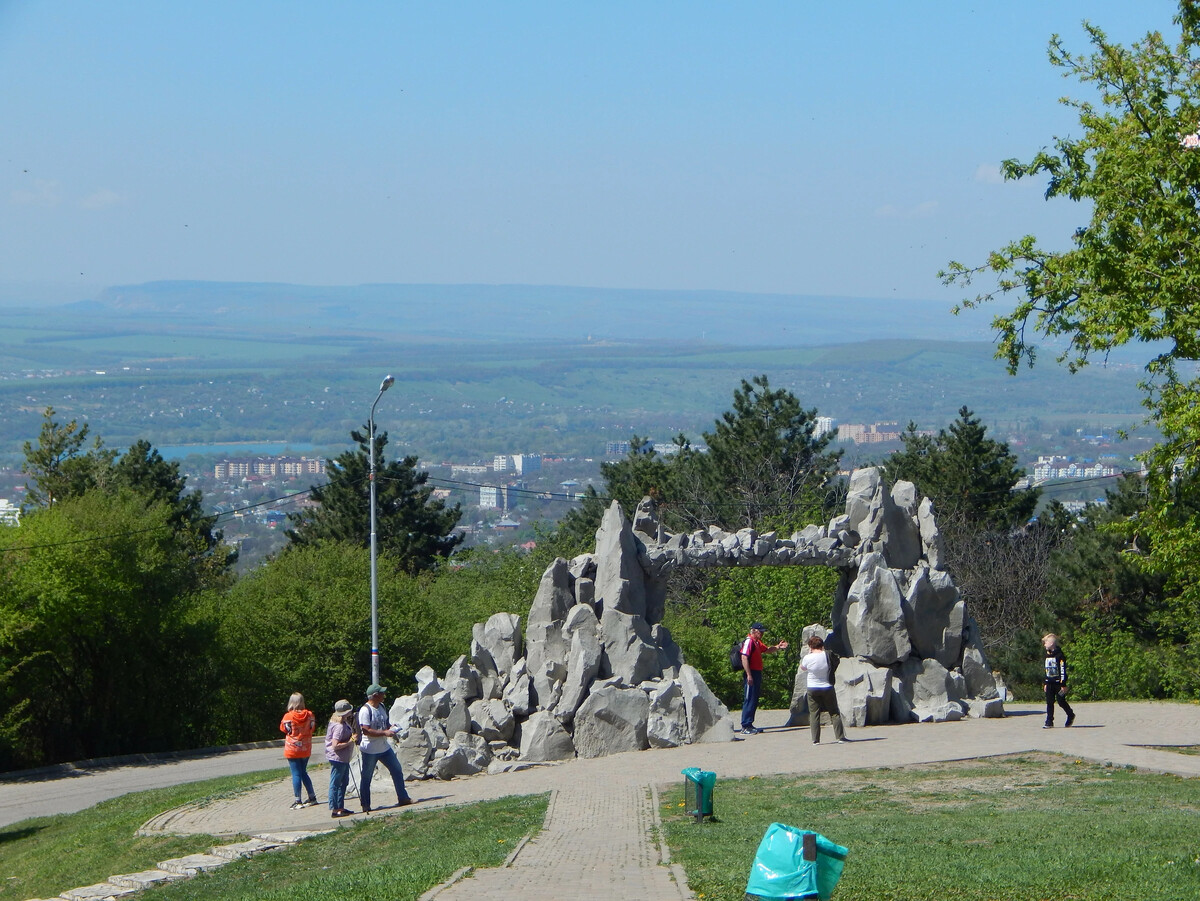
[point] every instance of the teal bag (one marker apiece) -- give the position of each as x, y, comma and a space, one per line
782, 869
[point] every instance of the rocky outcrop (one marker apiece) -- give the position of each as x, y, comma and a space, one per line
595, 672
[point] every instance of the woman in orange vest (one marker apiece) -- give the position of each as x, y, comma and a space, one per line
298, 725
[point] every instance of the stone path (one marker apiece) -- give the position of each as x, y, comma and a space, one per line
598, 839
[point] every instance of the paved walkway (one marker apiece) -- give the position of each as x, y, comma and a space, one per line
598, 838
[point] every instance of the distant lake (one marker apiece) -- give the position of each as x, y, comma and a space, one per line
178, 452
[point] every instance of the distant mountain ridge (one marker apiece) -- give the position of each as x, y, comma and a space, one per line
541, 312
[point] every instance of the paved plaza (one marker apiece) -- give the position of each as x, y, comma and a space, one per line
599, 838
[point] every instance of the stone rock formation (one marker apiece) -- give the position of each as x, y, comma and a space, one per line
595, 672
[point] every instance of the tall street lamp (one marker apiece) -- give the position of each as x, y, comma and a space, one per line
387, 383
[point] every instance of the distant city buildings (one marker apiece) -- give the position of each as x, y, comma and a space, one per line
527, 463
875, 433
10, 513
1058, 467
823, 426
267, 467
493, 497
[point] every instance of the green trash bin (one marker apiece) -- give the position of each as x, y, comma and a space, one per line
698, 792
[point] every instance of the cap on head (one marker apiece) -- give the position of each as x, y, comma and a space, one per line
757, 627
375, 689
342, 707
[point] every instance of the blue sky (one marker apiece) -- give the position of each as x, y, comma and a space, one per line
797, 147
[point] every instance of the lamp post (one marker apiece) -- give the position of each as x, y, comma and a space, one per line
387, 383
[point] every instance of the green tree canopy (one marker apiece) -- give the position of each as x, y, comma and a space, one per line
1132, 269
969, 477
415, 529
763, 467
58, 465
99, 651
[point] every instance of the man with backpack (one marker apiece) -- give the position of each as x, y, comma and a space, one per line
751, 655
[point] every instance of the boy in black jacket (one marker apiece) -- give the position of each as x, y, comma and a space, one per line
1056, 681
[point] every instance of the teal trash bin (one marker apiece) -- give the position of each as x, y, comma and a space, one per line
795, 863
698, 792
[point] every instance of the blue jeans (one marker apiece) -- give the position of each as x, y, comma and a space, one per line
299, 767
753, 687
339, 778
392, 765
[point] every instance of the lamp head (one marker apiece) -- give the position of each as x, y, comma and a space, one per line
388, 381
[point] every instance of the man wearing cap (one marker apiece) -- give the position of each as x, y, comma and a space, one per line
753, 649
373, 719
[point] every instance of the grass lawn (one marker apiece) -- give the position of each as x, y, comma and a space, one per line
390, 857
396, 857
1035, 827
44, 856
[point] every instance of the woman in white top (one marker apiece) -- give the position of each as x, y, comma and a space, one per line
821, 696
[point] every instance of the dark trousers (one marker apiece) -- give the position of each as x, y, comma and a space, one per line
824, 700
751, 689
391, 764
1052, 696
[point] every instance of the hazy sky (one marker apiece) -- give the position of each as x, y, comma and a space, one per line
800, 147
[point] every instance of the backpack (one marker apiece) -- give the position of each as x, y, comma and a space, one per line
735, 656
834, 660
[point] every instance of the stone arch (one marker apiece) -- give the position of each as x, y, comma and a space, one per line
595, 671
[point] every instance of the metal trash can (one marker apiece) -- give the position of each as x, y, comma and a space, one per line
698, 792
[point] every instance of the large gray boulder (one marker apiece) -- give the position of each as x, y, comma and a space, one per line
492, 720
584, 661
930, 691
427, 682
414, 750
459, 717
612, 720
936, 616
455, 762
873, 616
882, 524
670, 656
902, 538
620, 581
477, 749
798, 707
543, 738
667, 723
518, 693
501, 635
708, 719
545, 645
462, 680
491, 680
980, 680
629, 649
863, 692
435, 706
931, 535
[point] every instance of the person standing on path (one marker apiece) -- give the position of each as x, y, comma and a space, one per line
298, 725
373, 719
1056, 682
822, 698
339, 748
753, 649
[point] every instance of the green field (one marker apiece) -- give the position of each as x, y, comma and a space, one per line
1034, 827
189, 383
